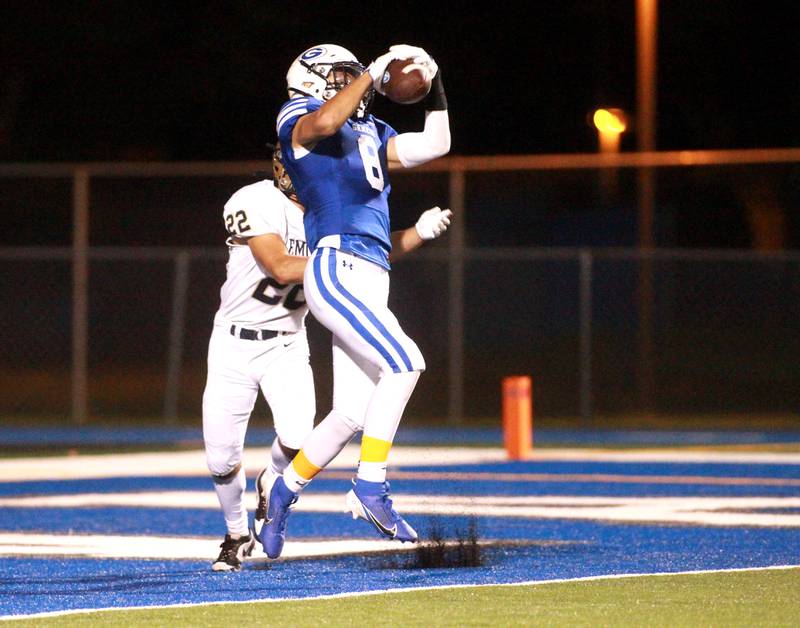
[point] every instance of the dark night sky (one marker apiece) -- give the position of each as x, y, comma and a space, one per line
186, 81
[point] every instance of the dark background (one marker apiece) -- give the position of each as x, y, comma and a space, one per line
184, 81
179, 81
106, 80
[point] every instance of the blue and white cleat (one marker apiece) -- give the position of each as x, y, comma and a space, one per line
279, 505
370, 501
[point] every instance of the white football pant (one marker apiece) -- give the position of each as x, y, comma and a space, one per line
237, 369
373, 358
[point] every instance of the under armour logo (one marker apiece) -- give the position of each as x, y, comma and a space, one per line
345, 264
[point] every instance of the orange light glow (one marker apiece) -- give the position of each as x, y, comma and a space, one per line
610, 121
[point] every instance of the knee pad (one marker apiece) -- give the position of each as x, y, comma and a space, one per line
223, 462
228, 477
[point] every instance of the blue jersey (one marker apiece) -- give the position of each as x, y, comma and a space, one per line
343, 182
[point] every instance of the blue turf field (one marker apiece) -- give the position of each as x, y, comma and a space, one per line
259, 436
549, 549
31, 586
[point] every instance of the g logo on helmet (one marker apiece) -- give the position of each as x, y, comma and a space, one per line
313, 53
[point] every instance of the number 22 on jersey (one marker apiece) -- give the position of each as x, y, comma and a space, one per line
236, 223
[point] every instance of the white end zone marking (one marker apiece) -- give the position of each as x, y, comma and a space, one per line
192, 463
173, 548
715, 511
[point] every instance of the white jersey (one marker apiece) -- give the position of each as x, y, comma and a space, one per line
249, 297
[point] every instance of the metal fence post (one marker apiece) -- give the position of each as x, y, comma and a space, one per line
80, 287
646, 99
180, 290
456, 252
585, 351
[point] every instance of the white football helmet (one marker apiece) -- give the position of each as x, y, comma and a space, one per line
323, 70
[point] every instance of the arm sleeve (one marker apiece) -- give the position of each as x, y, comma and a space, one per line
414, 149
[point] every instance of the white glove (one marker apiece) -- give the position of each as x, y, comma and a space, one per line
377, 68
433, 222
418, 55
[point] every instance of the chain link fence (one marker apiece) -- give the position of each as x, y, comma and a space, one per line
723, 332
540, 274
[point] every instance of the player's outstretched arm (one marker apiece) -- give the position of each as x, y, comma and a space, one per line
329, 118
270, 252
430, 225
408, 150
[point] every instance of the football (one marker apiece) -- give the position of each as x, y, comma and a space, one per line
405, 82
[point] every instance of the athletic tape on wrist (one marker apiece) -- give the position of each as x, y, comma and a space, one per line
436, 99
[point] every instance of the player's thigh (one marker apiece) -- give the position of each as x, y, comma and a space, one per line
228, 399
354, 380
288, 386
350, 300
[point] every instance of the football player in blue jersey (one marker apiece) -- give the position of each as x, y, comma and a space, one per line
338, 155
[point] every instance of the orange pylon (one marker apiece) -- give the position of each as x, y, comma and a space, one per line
517, 416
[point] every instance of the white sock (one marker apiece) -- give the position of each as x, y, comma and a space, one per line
372, 471
293, 480
324, 443
384, 412
231, 499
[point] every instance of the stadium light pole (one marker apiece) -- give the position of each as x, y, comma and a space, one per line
646, 47
646, 98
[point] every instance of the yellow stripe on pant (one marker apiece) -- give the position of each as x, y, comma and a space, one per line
374, 449
303, 467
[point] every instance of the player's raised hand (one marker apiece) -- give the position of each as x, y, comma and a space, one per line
377, 68
418, 55
433, 222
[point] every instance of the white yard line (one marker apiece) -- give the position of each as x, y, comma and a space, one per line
192, 463
711, 511
669, 455
172, 548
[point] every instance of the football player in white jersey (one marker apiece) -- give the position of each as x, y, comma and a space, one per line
259, 342
339, 156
